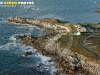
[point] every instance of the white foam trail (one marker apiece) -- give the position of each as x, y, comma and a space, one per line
47, 66
53, 69
30, 29
28, 49
43, 65
44, 60
1, 19
21, 27
12, 38
7, 46
10, 44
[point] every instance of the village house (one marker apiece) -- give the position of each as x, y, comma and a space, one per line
77, 33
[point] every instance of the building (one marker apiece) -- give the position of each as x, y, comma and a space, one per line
77, 33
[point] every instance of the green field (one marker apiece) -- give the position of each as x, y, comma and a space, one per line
76, 47
91, 25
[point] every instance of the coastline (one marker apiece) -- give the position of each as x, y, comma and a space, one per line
70, 63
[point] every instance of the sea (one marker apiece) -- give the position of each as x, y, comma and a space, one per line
11, 63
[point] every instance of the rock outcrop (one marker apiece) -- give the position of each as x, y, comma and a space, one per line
68, 63
37, 22
26, 54
98, 10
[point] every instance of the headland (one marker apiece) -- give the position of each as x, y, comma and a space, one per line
69, 61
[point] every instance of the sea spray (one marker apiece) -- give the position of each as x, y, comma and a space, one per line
48, 65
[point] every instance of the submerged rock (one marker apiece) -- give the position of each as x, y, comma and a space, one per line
98, 10
28, 48
26, 54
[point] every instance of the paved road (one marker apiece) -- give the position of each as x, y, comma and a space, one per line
82, 42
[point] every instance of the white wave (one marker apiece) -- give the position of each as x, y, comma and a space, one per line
27, 64
21, 27
30, 28
37, 66
43, 65
7, 46
53, 69
29, 49
12, 38
2, 47
19, 24
44, 59
49, 65
1, 19
46, 66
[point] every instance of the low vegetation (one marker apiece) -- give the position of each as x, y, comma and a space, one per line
90, 25
49, 20
64, 40
73, 29
76, 47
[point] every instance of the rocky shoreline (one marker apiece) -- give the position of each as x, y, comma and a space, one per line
55, 28
68, 63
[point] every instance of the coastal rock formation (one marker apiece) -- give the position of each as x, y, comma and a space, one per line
38, 22
98, 10
97, 2
68, 63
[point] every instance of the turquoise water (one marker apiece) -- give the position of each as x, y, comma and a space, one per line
10, 61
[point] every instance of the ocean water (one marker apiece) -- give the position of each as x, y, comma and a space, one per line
10, 49
10, 61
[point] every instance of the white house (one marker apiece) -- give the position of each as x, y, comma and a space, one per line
77, 33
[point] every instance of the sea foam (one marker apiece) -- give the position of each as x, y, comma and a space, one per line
12, 37
48, 65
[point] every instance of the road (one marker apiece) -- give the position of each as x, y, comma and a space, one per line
82, 42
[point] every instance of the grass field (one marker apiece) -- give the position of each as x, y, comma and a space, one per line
76, 47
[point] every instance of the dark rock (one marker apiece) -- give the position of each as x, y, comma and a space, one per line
28, 48
98, 10
60, 21
26, 54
